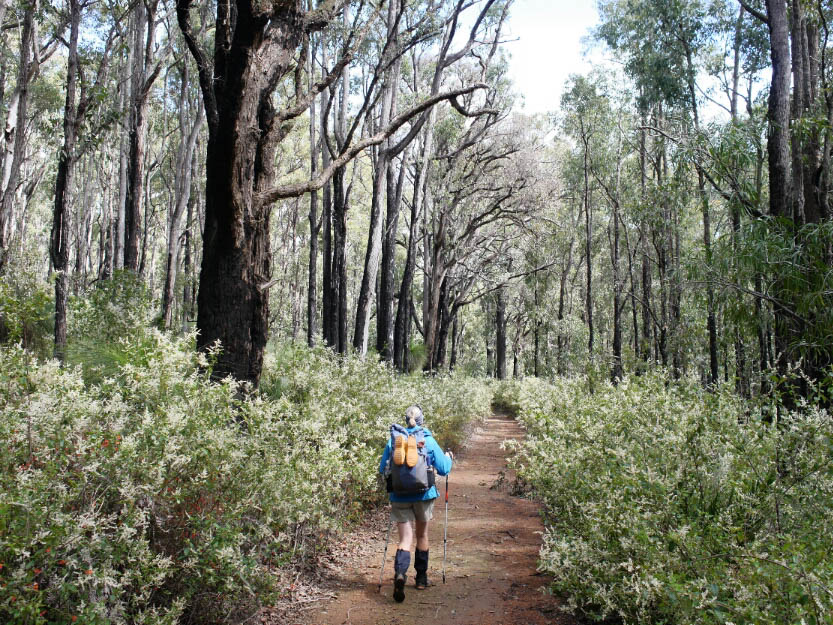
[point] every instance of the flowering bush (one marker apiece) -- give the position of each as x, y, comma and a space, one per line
155, 496
667, 504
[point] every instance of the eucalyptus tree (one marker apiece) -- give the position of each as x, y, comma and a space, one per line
656, 36
190, 120
446, 58
484, 195
145, 64
34, 51
257, 46
82, 94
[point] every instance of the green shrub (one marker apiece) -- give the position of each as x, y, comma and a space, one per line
26, 313
156, 496
667, 504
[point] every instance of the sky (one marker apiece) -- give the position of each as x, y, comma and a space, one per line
549, 48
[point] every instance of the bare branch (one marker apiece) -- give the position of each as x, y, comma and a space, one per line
294, 190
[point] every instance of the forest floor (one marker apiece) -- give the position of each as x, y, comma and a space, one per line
493, 542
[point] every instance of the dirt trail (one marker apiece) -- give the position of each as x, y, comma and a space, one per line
493, 541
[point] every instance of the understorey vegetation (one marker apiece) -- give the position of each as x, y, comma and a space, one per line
665, 503
138, 490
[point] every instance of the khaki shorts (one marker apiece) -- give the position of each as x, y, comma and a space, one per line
404, 511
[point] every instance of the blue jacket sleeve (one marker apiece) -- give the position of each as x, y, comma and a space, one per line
385, 455
440, 461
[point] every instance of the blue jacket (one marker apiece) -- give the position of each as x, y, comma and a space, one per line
436, 457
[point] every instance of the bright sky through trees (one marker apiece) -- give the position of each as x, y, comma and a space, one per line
549, 48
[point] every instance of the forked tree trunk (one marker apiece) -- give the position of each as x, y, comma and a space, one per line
233, 306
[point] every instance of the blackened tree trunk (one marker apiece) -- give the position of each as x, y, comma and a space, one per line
257, 45
455, 342
711, 319
588, 242
59, 241
329, 321
561, 341
400, 337
253, 51
617, 370
537, 331
384, 313
188, 289
420, 199
314, 222
500, 334
341, 199
441, 345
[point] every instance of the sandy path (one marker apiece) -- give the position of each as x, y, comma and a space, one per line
493, 541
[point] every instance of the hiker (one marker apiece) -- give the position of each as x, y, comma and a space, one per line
412, 455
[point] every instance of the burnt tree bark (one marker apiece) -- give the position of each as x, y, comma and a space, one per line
500, 334
257, 47
59, 241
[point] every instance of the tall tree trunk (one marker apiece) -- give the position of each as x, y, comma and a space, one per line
562, 299
778, 144
233, 306
588, 242
142, 26
617, 371
711, 320
500, 334
375, 231
59, 241
647, 318
339, 271
188, 290
419, 205
14, 133
120, 229
314, 222
384, 313
400, 337
537, 331
329, 319
182, 186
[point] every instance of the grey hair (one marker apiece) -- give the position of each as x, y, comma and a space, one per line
413, 416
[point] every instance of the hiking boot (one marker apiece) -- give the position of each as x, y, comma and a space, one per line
422, 582
412, 455
421, 567
399, 450
399, 587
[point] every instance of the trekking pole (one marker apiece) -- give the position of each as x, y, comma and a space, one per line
385, 555
445, 527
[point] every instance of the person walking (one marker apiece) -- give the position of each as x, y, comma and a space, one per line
410, 459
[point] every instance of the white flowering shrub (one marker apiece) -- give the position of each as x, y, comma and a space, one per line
668, 504
156, 496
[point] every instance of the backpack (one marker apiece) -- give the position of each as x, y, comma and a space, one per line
405, 480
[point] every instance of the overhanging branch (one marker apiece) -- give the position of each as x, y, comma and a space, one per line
297, 189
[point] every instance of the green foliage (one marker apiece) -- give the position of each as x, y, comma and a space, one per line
107, 324
667, 504
155, 495
26, 312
